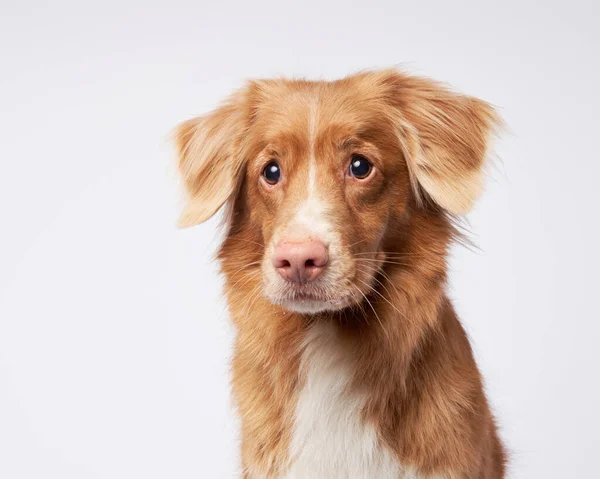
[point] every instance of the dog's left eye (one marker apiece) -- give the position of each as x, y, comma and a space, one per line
272, 173
360, 167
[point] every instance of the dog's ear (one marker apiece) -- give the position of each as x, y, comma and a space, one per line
445, 138
208, 161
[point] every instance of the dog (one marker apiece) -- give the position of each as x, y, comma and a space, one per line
341, 200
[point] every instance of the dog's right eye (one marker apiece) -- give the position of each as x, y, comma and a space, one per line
272, 173
360, 167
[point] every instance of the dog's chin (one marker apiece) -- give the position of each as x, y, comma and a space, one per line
313, 306
312, 303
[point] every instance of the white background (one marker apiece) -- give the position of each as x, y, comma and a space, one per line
114, 342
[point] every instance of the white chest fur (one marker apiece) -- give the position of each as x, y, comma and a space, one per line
330, 440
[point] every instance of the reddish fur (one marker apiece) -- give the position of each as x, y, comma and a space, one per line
413, 357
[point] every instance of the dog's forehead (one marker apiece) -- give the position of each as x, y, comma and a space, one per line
299, 112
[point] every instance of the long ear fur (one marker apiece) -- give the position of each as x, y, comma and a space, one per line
445, 136
208, 163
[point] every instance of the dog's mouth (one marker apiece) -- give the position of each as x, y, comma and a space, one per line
313, 299
312, 304
301, 296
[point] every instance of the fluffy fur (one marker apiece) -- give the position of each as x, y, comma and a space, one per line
367, 372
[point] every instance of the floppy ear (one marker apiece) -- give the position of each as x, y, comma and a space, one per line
208, 162
445, 137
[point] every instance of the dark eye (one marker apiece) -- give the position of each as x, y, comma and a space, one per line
272, 173
360, 167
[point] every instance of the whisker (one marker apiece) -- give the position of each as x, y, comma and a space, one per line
354, 244
384, 298
382, 261
374, 272
247, 277
376, 315
252, 298
360, 305
390, 255
388, 252
246, 266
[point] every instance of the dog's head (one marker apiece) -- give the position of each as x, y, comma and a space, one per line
317, 175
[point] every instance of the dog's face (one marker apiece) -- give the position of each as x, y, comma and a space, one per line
324, 171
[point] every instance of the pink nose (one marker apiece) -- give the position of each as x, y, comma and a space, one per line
300, 262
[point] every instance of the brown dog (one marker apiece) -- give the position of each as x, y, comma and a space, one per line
349, 360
